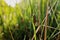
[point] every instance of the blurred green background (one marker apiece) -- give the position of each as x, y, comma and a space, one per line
22, 21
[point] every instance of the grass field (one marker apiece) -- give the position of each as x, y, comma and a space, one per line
30, 20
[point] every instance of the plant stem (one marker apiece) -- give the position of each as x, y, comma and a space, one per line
46, 20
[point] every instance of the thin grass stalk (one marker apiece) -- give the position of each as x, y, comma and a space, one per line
42, 28
34, 31
11, 34
39, 12
34, 37
39, 15
51, 27
56, 34
39, 27
45, 28
56, 22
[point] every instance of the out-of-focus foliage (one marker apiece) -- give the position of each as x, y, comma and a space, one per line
18, 23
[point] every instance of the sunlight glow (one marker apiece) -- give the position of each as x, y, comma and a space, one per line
12, 2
